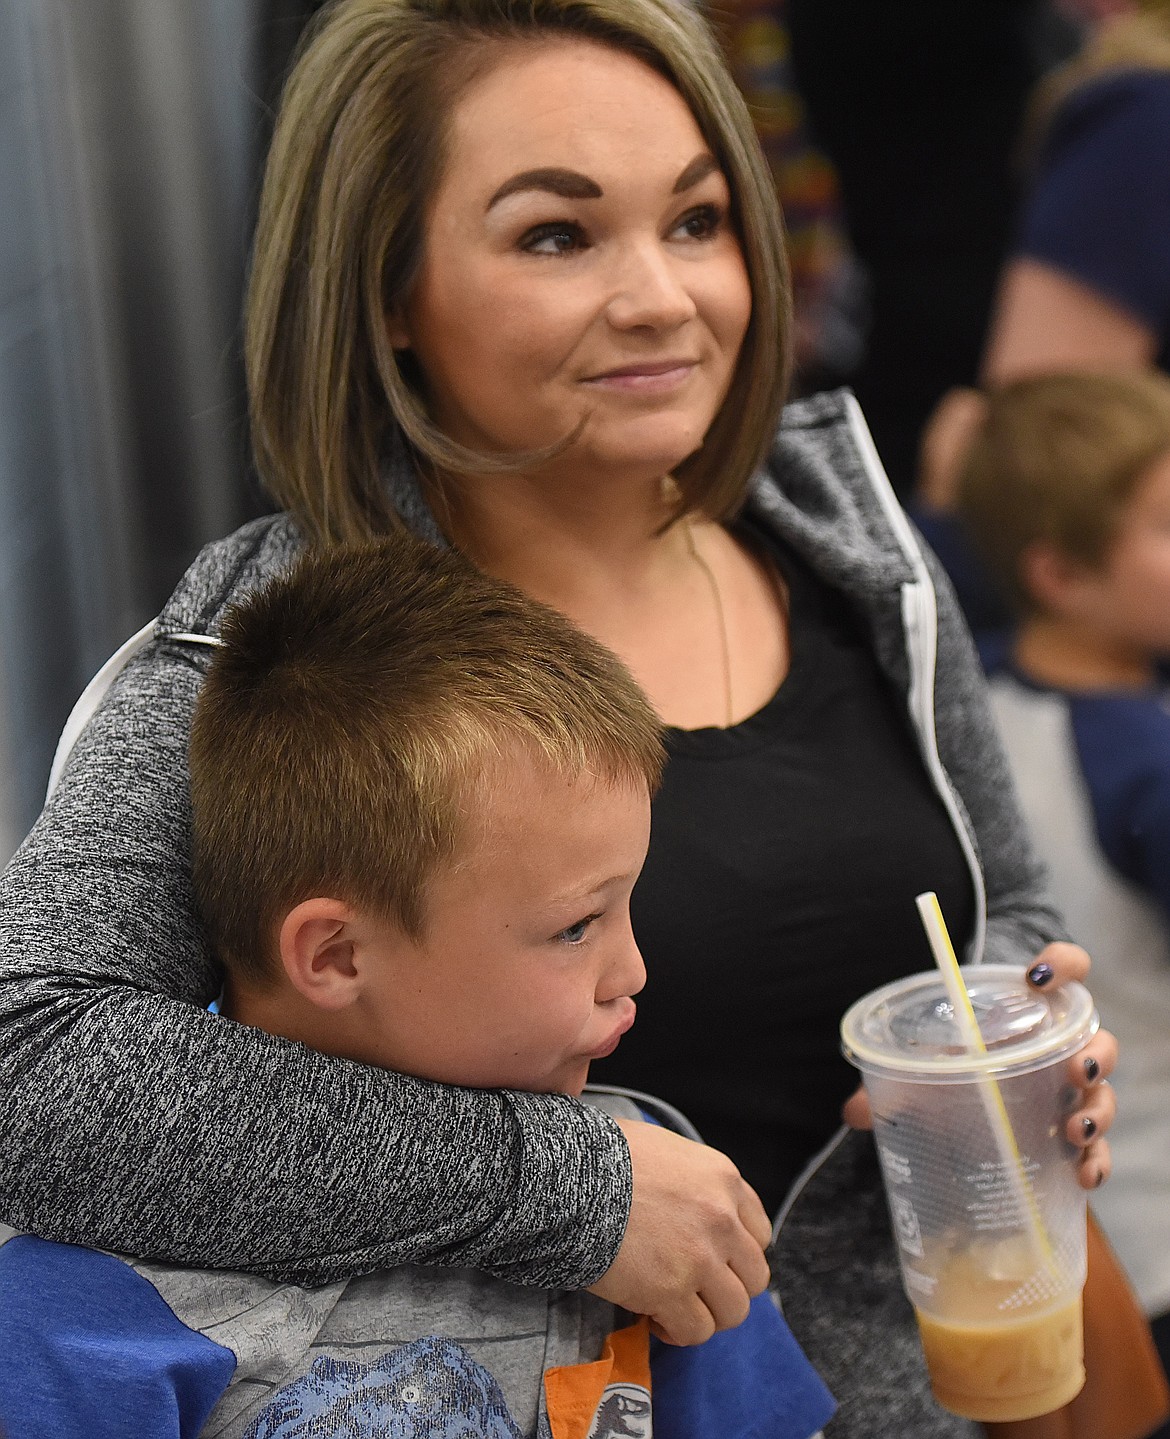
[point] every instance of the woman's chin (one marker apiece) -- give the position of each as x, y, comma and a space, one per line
635, 461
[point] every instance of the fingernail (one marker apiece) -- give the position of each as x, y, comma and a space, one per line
1040, 974
1092, 1070
1088, 1127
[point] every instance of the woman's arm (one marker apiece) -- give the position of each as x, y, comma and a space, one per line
1046, 319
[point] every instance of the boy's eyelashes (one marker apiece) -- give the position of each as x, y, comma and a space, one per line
575, 933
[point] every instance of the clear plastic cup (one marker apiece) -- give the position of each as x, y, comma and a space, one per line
990, 1223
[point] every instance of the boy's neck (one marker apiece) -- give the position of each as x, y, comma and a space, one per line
1065, 655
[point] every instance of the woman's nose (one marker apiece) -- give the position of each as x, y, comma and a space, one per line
649, 292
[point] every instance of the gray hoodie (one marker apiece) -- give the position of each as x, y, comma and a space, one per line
139, 1123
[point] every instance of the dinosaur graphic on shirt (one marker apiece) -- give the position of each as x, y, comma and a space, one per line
430, 1388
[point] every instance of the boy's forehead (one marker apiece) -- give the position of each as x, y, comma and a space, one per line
522, 799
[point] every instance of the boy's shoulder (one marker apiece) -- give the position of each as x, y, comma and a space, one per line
1121, 731
633, 1104
244, 1356
241, 1355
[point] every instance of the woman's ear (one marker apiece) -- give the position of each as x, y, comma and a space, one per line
319, 943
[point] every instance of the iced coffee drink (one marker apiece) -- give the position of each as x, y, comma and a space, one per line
991, 1236
994, 1363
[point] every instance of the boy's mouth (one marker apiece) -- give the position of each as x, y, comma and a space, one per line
607, 1046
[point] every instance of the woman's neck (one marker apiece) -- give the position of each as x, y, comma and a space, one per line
1068, 656
696, 617
564, 544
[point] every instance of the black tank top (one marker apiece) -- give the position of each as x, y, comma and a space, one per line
785, 855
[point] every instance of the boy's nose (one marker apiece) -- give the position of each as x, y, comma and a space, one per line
627, 975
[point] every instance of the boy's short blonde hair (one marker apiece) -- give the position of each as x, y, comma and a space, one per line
1057, 458
358, 712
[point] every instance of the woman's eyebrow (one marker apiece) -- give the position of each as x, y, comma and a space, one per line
699, 168
568, 184
572, 185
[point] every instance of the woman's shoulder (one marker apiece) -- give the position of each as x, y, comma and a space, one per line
224, 571
822, 488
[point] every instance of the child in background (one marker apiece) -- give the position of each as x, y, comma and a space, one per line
420, 804
1066, 491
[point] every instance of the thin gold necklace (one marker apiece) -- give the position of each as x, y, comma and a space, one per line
720, 618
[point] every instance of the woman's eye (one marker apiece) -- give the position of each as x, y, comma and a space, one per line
558, 237
701, 223
575, 933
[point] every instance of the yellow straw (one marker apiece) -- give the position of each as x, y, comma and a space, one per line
997, 1115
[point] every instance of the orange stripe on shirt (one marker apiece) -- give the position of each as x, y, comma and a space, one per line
575, 1392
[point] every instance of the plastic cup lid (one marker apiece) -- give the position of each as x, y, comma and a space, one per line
908, 1029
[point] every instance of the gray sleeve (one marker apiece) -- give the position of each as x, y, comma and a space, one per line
1020, 916
138, 1122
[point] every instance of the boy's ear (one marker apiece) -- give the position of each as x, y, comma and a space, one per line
319, 944
1053, 579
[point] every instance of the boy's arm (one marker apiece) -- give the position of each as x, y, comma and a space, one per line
1123, 745
1150, 841
88, 1350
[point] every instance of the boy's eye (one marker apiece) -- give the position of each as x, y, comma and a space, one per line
557, 237
575, 933
701, 223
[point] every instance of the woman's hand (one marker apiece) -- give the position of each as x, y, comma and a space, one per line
693, 1253
1088, 1072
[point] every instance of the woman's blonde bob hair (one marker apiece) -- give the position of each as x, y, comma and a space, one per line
356, 156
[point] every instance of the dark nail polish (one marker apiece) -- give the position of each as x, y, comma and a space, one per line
1040, 974
1088, 1127
1092, 1070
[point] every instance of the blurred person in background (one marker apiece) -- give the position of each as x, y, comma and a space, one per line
1088, 281
1066, 491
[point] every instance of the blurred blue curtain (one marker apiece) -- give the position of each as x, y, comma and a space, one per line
129, 137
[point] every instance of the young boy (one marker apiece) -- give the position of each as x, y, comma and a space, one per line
1066, 490
420, 804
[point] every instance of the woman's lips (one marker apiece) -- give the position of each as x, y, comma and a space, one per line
648, 378
608, 1046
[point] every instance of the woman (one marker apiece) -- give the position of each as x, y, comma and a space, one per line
518, 283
